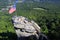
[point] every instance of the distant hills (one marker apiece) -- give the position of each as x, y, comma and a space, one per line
35, 3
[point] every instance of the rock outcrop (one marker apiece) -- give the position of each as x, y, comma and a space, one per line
25, 27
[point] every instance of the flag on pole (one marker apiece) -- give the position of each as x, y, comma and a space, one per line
12, 9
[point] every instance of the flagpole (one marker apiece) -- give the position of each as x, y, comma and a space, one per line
16, 13
16, 7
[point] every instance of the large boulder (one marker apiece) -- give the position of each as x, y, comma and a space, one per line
25, 27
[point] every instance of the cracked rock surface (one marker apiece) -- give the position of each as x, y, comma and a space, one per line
25, 27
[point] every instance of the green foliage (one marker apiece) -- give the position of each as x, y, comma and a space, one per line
48, 19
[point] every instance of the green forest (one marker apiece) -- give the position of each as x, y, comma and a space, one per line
46, 15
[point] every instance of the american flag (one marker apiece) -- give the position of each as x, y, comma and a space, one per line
12, 9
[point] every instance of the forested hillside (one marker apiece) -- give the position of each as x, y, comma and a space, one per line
45, 13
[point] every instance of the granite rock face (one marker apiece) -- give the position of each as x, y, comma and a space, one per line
25, 27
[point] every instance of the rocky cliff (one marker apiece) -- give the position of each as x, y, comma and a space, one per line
25, 27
